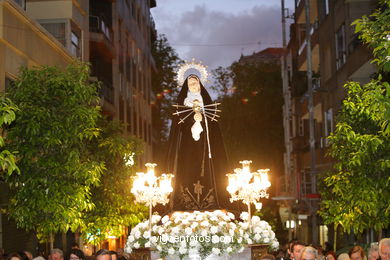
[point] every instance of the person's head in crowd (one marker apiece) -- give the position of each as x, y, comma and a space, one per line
330, 255
373, 252
267, 257
76, 254
384, 249
328, 247
103, 254
280, 255
356, 253
289, 248
297, 250
343, 256
28, 254
114, 255
120, 252
75, 245
13, 256
39, 258
23, 255
309, 253
56, 254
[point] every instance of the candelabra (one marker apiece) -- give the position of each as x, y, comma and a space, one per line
150, 189
248, 186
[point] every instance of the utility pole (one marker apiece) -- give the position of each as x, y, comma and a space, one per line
313, 176
286, 114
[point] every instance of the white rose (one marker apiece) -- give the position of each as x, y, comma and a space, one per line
182, 250
164, 219
214, 218
246, 235
266, 240
188, 231
229, 249
156, 218
172, 239
146, 234
272, 236
175, 230
165, 237
265, 234
239, 240
137, 234
231, 216
216, 251
193, 243
215, 239
255, 219
194, 224
192, 251
241, 249
213, 229
136, 245
153, 239
147, 244
160, 230
275, 244
204, 233
131, 239
257, 237
159, 248
205, 223
244, 216
171, 251
222, 223
257, 230
249, 241
231, 232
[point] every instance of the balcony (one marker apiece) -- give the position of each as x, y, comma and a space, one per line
101, 36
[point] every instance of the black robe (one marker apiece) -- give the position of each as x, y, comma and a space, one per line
200, 182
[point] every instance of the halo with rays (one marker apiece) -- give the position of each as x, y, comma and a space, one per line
196, 65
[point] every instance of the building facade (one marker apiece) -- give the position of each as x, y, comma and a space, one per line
322, 54
115, 37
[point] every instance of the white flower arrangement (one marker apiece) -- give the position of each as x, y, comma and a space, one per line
200, 233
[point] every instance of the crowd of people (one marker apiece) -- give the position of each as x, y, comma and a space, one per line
296, 251
75, 254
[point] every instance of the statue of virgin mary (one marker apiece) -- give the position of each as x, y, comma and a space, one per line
196, 153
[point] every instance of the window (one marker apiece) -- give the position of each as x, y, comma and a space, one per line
326, 7
57, 30
341, 56
75, 44
22, 3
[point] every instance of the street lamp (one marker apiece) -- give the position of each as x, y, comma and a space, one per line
150, 189
248, 186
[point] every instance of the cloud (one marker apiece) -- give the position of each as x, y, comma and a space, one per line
218, 38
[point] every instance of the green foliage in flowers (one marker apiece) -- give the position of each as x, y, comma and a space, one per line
7, 116
356, 194
58, 113
114, 203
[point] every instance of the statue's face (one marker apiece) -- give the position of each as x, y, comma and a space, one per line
194, 85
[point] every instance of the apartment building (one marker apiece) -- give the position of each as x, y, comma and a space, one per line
113, 36
326, 45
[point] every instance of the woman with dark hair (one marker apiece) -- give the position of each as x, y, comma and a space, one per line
196, 153
76, 254
13, 256
357, 253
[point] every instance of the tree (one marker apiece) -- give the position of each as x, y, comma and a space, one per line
114, 203
253, 99
164, 87
356, 194
58, 113
7, 116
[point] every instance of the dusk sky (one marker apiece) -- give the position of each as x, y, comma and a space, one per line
216, 32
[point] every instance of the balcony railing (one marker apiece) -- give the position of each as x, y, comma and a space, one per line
99, 24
